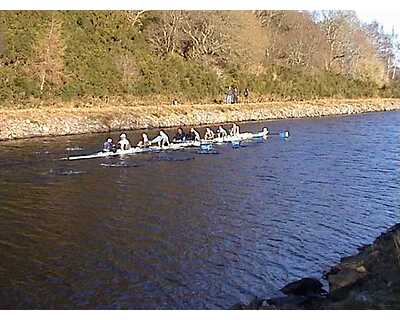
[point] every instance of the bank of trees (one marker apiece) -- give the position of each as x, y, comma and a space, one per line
194, 55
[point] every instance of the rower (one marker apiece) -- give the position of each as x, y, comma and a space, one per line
162, 139
221, 132
144, 143
108, 146
194, 135
180, 136
209, 134
265, 132
235, 130
124, 143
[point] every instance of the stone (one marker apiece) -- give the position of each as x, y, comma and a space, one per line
345, 278
289, 302
361, 269
304, 287
266, 306
239, 306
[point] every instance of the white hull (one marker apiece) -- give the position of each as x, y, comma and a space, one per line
136, 150
172, 146
239, 137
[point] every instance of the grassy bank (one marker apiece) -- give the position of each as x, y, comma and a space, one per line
93, 116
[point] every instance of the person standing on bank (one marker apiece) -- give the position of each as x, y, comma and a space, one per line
246, 94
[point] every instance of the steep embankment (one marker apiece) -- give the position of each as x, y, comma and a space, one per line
367, 280
80, 118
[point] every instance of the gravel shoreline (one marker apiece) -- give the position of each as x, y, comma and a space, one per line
59, 120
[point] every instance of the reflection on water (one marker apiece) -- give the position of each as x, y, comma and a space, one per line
191, 229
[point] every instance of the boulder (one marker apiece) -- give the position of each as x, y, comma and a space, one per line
255, 304
345, 277
239, 306
266, 306
361, 269
304, 287
288, 302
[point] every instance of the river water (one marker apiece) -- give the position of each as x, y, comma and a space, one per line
190, 230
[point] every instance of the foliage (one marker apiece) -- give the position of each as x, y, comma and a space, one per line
193, 55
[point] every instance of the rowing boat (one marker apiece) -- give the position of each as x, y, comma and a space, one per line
136, 150
237, 138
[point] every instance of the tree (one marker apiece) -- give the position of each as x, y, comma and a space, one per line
386, 46
47, 64
164, 33
337, 28
294, 38
135, 17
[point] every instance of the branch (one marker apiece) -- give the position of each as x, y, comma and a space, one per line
136, 18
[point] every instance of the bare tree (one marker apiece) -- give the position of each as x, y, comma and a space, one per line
134, 17
338, 27
203, 34
164, 35
191, 34
293, 38
48, 62
127, 66
386, 46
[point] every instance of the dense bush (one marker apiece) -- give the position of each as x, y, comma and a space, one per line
68, 55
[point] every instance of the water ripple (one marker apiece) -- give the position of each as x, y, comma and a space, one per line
185, 229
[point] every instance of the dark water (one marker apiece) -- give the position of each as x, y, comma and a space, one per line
188, 230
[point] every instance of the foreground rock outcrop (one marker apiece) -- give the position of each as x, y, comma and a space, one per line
368, 280
59, 119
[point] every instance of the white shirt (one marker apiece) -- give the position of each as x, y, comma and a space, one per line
209, 135
235, 131
124, 144
164, 136
223, 132
197, 136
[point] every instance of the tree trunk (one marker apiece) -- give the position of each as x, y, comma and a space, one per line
47, 58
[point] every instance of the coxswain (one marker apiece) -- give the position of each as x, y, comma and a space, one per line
235, 130
144, 143
209, 135
180, 136
124, 143
108, 145
221, 132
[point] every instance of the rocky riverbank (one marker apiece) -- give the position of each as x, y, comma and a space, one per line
78, 118
367, 280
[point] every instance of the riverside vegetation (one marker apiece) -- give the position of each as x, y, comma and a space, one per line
146, 59
193, 55
76, 72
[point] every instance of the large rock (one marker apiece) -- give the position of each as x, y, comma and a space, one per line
292, 302
346, 277
255, 304
304, 287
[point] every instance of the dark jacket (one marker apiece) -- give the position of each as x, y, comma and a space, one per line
108, 146
180, 137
